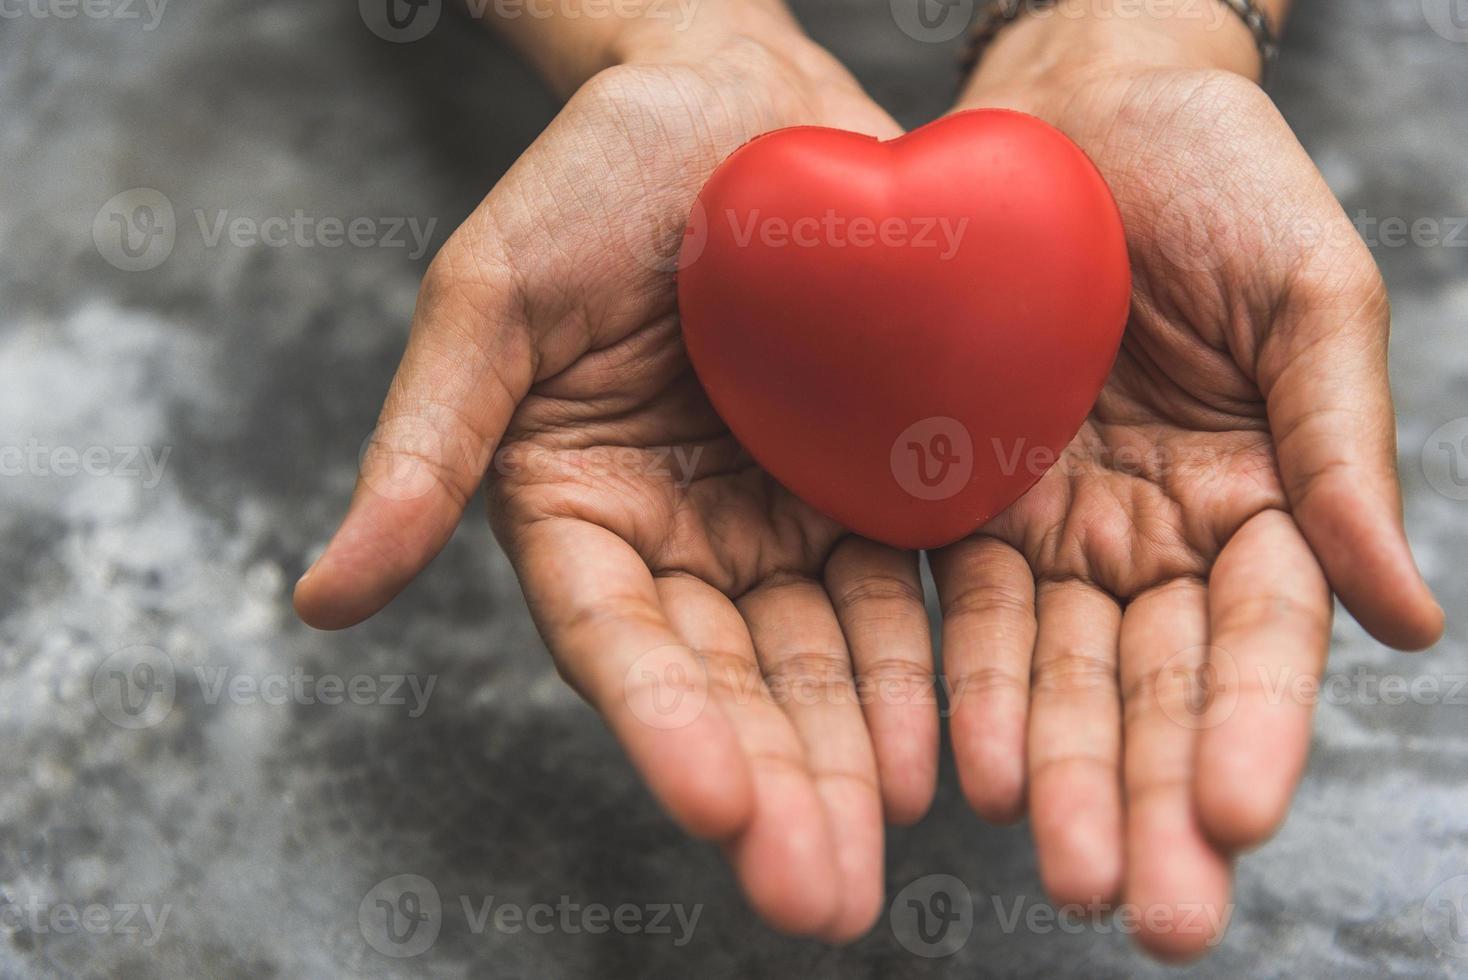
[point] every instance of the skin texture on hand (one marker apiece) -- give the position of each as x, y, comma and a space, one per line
660, 564
1115, 637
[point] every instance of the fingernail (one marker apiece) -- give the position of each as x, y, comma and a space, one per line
307, 573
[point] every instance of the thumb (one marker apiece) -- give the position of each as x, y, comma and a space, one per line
467, 365
1323, 371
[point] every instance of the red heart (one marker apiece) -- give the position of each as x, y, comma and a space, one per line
906, 334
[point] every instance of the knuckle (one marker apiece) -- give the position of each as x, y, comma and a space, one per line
821, 674
1251, 614
896, 681
991, 679
732, 677
638, 93
1164, 690
1073, 672
989, 600
878, 588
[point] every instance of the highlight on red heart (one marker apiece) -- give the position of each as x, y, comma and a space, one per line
881, 324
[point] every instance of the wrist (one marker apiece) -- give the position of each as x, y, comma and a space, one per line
700, 31
568, 49
1057, 44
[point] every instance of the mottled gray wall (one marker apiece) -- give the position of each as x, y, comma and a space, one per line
260, 828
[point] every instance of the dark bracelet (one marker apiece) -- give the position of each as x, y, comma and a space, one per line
998, 14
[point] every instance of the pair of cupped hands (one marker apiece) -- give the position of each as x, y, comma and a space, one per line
1113, 644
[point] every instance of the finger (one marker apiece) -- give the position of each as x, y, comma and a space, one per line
987, 595
598, 609
785, 857
877, 593
467, 365
1270, 611
1176, 878
1075, 744
1330, 407
804, 659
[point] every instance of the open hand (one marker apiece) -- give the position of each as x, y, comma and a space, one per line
713, 619
1113, 639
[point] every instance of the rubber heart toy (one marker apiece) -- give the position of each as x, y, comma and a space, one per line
906, 334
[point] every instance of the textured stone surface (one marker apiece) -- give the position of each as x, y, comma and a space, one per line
260, 828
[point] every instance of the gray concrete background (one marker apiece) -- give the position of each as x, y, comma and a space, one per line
261, 829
